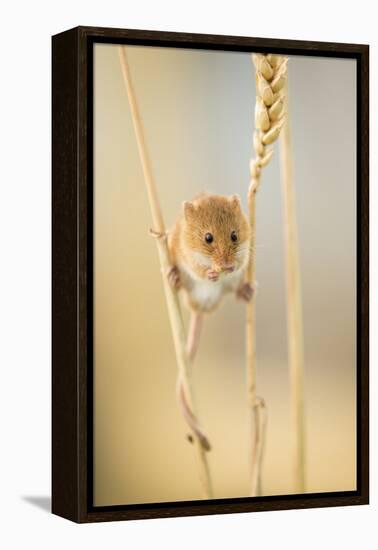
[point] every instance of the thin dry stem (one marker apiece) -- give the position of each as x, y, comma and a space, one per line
260, 414
256, 405
294, 307
174, 311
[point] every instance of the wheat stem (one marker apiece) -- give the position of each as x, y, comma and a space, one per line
271, 73
256, 434
294, 306
173, 305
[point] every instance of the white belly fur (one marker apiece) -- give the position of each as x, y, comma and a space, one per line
205, 294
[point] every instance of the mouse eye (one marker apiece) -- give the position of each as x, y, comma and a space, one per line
234, 236
209, 238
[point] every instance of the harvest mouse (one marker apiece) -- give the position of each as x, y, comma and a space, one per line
209, 248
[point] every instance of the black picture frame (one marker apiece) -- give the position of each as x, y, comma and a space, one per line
72, 273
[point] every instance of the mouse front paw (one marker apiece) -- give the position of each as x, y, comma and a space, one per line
245, 292
173, 275
212, 276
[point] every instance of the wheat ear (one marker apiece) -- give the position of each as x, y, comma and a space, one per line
294, 306
173, 305
271, 73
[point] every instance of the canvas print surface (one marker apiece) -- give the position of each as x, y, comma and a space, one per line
198, 114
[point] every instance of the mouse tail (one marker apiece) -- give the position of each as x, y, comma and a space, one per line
194, 333
190, 418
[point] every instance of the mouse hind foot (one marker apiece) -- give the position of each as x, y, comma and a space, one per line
173, 276
245, 292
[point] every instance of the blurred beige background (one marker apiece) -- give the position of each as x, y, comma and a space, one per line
197, 109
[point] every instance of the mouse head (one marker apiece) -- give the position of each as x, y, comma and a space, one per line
216, 233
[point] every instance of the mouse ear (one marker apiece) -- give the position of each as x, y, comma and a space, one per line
235, 201
189, 210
